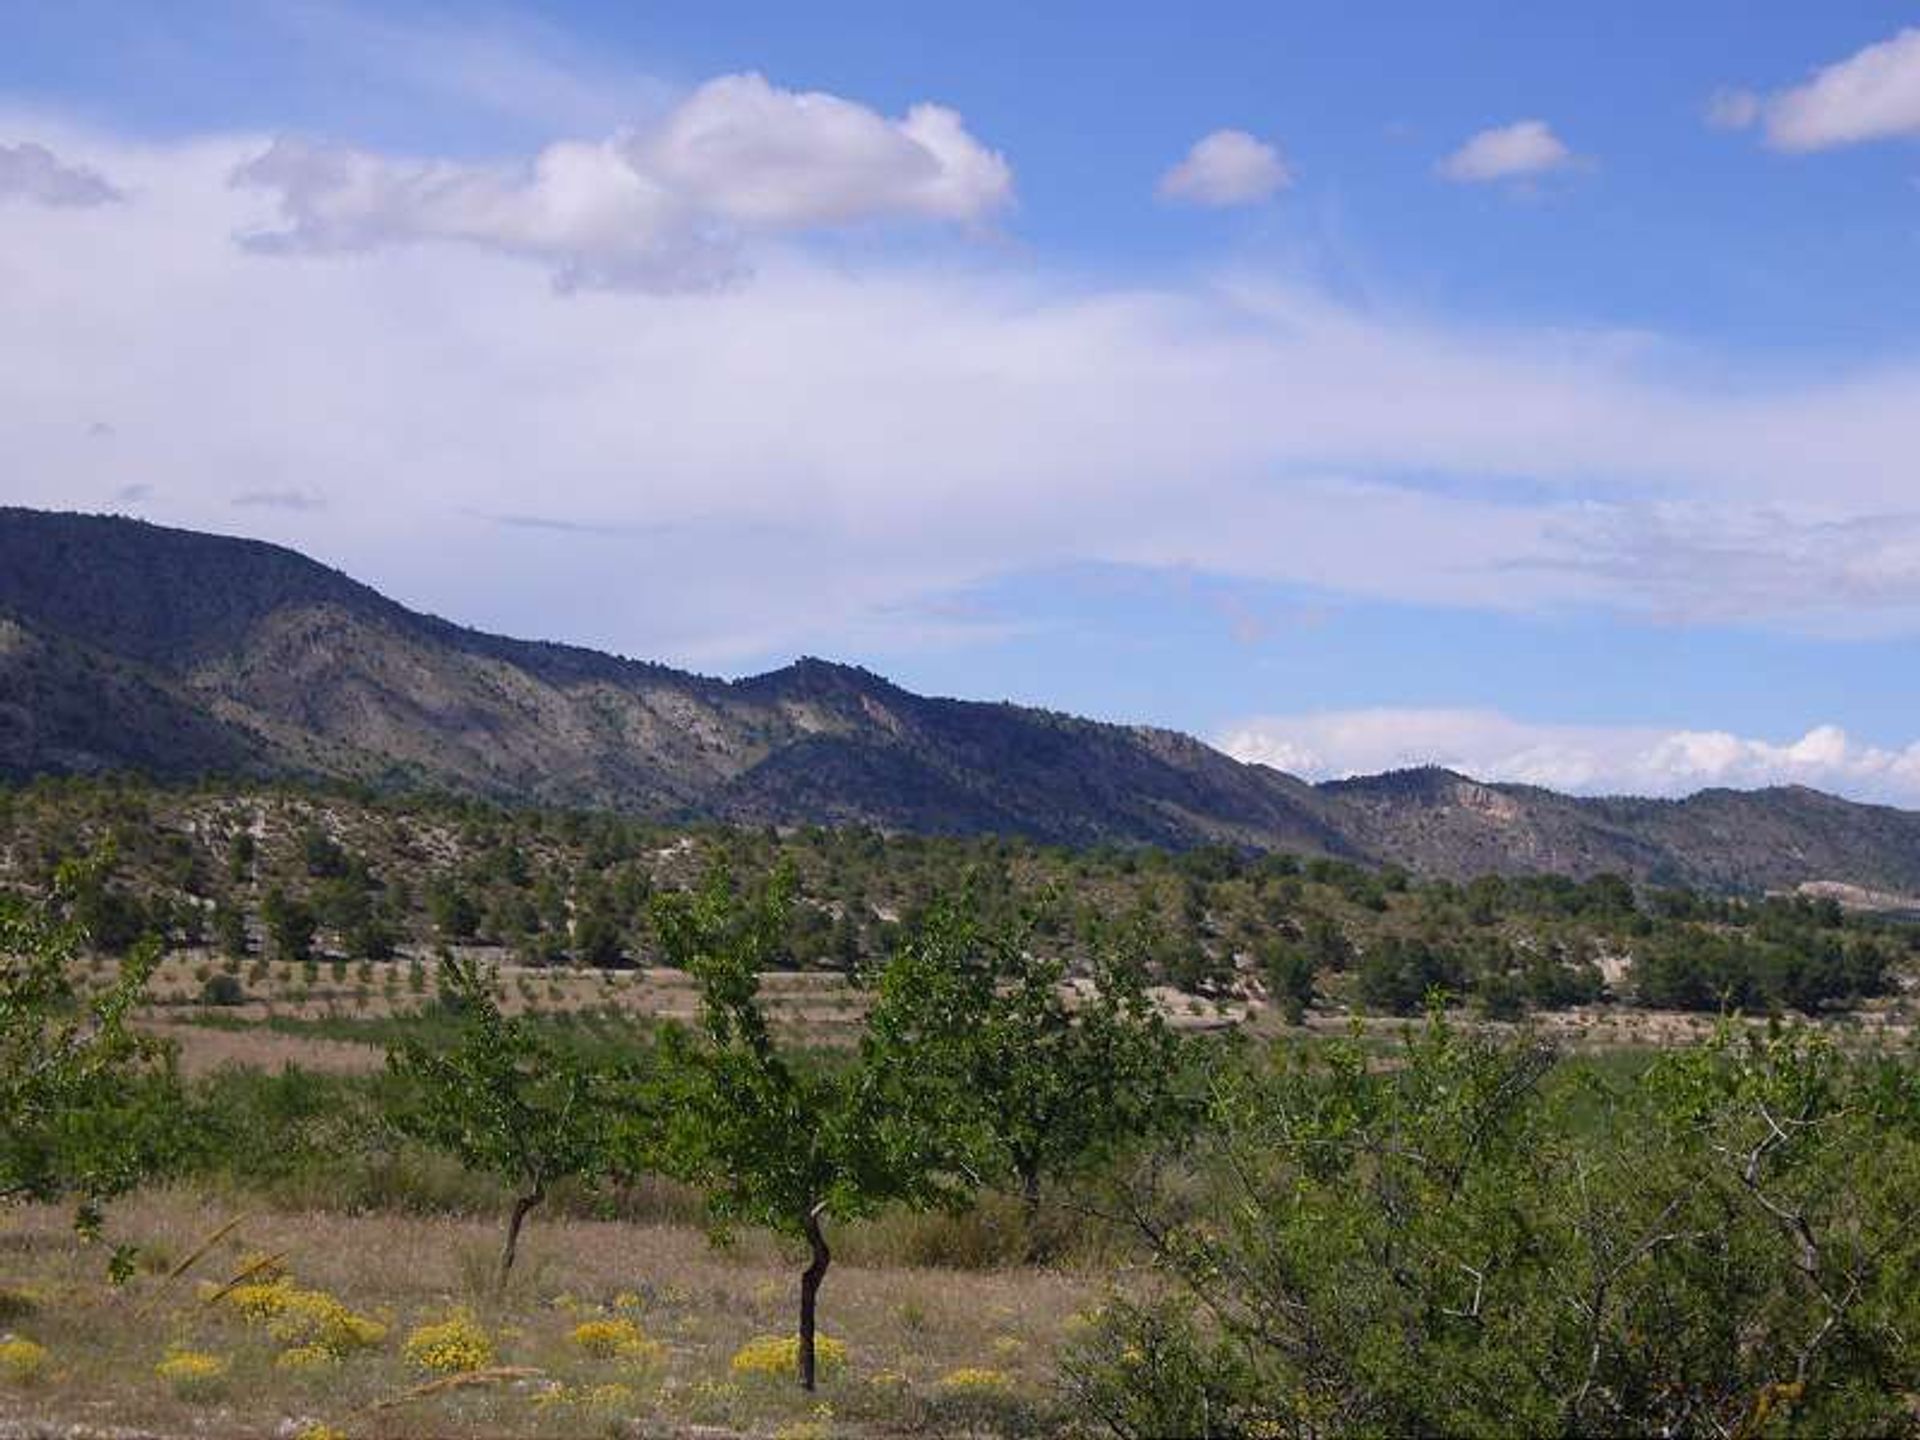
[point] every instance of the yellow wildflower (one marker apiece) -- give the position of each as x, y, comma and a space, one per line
193, 1374
616, 1339
779, 1355
452, 1346
21, 1361
305, 1357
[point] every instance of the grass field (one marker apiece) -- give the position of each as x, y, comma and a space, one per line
906, 1330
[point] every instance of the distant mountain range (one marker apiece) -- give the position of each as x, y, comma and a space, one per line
125, 645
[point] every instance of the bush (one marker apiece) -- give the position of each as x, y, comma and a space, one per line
451, 1346
779, 1356
21, 1361
193, 1374
223, 989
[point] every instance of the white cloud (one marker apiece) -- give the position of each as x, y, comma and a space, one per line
1584, 759
1507, 152
743, 151
662, 208
1226, 168
1874, 94
33, 172
786, 465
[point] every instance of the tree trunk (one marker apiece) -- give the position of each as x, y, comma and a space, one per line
521, 1205
810, 1279
1030, 1212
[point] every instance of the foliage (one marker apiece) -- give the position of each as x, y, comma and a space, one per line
79, 1087
193, 1374
616, 1338
22, 1362
1044, 1077
1471, 1241
775, 1138
451, 1346
779, 1356
503, 1098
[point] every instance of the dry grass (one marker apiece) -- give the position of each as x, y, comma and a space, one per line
904, 1329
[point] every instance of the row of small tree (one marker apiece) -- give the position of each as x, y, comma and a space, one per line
977, 1066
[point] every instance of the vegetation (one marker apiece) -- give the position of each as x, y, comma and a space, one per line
504, 1099
74, 1077
787, 1141
294, 877
1460, 1227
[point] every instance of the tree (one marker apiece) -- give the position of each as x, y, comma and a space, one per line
503, 1099
1291, 978
1054, 1075
782, 1139
290, 924
72, 1072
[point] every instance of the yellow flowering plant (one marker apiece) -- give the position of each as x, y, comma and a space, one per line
451, 1346
21, 1361
779, 1356
193, 1374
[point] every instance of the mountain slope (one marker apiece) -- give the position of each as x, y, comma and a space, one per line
128, 645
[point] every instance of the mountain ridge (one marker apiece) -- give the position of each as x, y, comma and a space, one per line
125, 644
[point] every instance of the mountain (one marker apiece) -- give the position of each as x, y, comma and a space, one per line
129, 645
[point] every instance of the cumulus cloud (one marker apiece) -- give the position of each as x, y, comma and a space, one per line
1873, 94
875, 437
33, 172
1507, 152
1584, 759
1227, 168
662, 208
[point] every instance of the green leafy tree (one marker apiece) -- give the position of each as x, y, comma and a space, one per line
779, 1137
290, 924
503, 1099
1054, 1075
74, 1076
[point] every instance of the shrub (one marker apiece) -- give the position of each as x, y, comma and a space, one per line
451, 1346
972, 1380
21, 1361
779, 1355
313, 1319
193, 1374
615, 1339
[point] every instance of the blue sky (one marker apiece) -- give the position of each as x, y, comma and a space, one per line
1533, 390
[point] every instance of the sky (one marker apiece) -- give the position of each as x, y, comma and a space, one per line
1531, 390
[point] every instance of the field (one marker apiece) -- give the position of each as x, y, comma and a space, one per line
904, 1329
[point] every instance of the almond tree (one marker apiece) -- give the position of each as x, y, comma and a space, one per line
72, 1072
778, 1137
1055, 1076
504, 1099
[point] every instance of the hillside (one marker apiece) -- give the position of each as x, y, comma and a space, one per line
126, 645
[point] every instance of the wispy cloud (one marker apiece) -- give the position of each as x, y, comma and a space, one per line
868, 435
